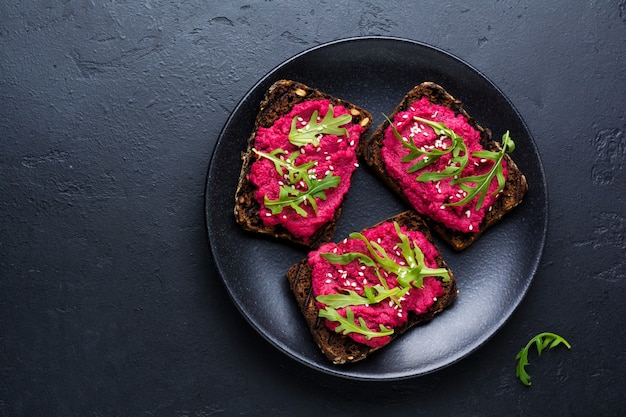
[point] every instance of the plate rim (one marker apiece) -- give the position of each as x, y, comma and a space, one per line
338, 371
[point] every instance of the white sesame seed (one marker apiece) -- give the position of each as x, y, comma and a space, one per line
468, 213
268, 214
328, 281
356, 164
471, 227
351, 143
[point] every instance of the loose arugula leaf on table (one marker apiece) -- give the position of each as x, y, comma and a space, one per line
313, 131
288, 195
541, 341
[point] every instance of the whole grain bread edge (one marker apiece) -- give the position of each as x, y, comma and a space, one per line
340, 349
369, 151
279, 99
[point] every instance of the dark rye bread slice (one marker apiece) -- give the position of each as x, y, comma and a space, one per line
515, 188
341, 349
279, 99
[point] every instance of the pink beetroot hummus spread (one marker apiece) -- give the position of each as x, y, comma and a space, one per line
335, 154
328, 278
429, 198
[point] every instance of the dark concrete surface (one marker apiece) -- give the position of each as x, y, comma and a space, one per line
109, 301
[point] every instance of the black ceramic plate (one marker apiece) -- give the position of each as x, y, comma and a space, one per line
493, 274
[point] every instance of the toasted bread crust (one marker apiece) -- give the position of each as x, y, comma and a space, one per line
278, 101
369, 151
341, 349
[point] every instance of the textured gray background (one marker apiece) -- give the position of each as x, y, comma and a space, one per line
109, 112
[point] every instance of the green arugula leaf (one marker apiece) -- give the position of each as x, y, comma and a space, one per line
479, 184
348, 325
416, 269
314, 130
409, 276
289, 195
458, 161
373, 295
475, 185
541, 341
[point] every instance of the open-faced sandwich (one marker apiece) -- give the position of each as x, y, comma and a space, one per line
298, 164
445, 165
363, 292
